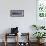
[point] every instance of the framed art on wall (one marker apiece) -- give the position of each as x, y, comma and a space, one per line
17, 13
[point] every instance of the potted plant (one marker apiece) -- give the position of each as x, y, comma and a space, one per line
42, 27
39, 35
35, 26
38, 27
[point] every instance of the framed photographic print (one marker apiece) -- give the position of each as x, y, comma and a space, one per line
17, 13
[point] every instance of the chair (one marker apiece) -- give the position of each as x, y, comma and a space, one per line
25, 43
14, 32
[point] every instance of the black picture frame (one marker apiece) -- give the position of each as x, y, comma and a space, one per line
17, 13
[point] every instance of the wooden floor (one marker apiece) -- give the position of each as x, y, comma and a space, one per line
13, 44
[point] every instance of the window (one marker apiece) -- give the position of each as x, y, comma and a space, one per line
41, 8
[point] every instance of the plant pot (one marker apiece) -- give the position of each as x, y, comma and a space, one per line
40, 41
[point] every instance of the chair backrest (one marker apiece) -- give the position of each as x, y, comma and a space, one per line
14, 30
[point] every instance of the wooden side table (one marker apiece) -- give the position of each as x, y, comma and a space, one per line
8, 34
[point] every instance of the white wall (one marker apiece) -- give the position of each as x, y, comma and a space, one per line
24, 23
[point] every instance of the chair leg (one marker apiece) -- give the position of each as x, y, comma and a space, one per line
5, 40
5, 43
